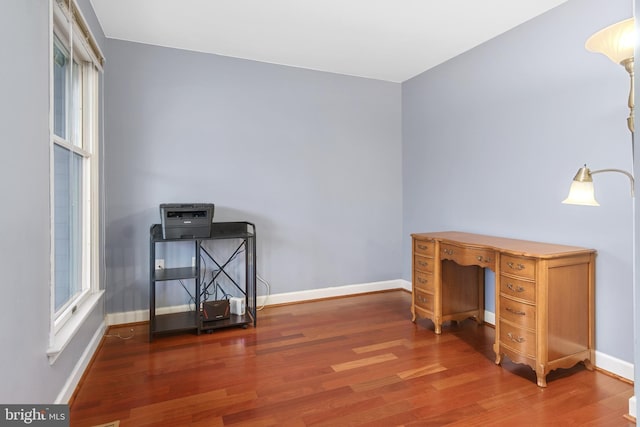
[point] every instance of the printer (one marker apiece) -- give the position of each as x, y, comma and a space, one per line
186, 220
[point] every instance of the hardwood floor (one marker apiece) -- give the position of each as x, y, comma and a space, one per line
341, 362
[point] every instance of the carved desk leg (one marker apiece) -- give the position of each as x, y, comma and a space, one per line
496, 349
588, 364
542, 376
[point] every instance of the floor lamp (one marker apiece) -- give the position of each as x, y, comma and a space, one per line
616, 42
582, 191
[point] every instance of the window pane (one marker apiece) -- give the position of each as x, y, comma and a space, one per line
60, 71
67, 95
68, 225
75, 108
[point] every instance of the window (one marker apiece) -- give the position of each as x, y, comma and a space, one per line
75, 70
69, 161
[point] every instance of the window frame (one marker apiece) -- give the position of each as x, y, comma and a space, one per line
69, 27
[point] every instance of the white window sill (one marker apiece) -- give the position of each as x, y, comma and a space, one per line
63, 337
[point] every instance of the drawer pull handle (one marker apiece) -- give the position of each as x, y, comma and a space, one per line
516, 312
448, 251
483, 259
423, 247
423, 280
422, 299
423, 263
515, 288
515, 266
519, 340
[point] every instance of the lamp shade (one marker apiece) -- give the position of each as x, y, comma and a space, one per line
616, 41
581, 193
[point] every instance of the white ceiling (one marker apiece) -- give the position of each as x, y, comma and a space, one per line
390, 40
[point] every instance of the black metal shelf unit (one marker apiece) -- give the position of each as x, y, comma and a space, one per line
245, 234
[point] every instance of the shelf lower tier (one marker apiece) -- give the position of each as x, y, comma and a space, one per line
186, 321
174, 322
233, 320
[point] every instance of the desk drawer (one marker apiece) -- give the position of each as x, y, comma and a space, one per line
424, 247
518, 288
423, 300
518, 266
518, 313
423, 263
518, 339
468, 256
423, 281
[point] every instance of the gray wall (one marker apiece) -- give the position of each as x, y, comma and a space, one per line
492, 139
313, 159
27, 376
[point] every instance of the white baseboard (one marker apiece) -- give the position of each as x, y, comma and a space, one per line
78, 370
283, 298
614, 365
142, 315
490, 318
632, 407
334, 291
603, 361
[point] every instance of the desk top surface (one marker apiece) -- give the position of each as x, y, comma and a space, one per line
503, 244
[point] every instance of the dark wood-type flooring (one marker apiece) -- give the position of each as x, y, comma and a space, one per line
339, 362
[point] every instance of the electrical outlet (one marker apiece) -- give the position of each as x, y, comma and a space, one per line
159, 264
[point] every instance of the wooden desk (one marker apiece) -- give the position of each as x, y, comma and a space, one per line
544, 294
